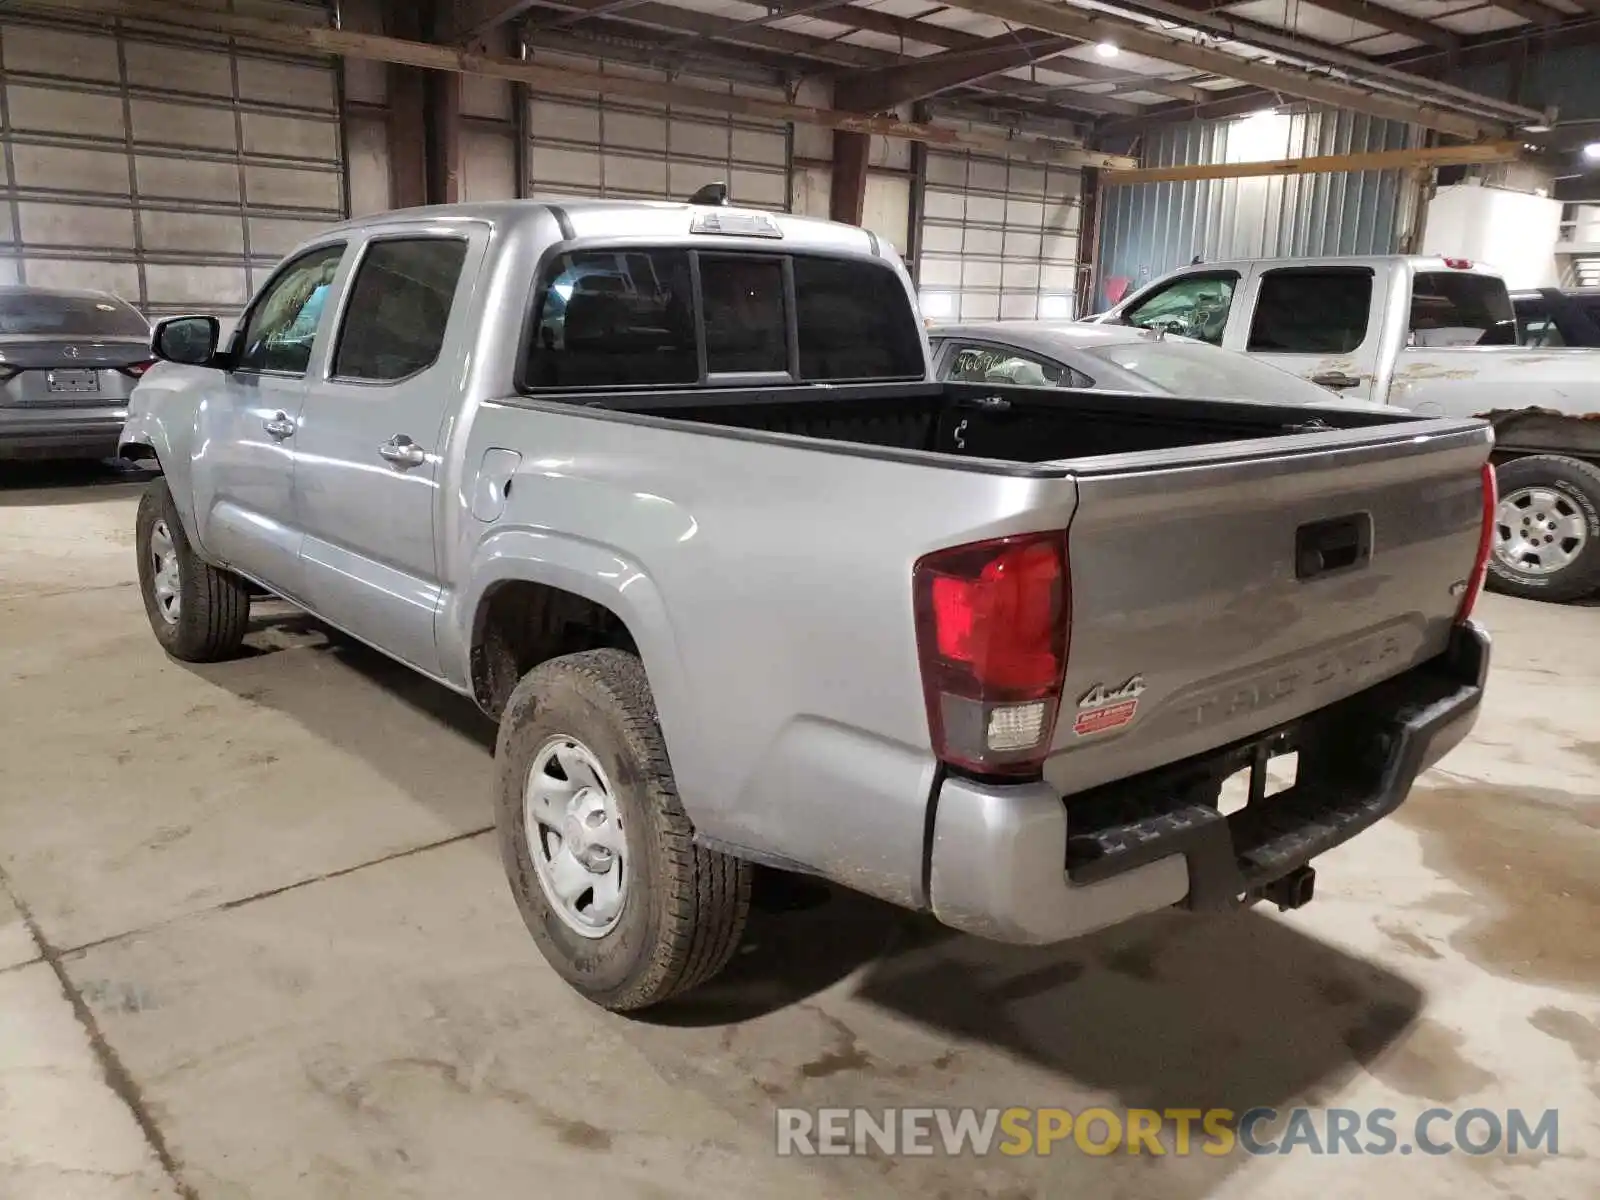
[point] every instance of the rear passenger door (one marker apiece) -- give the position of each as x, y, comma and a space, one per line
371, 440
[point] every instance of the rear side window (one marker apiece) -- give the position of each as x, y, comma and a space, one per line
1456, 308
1537, 327
613, 319
1314, 311
855, 322
399, 305
1000, 364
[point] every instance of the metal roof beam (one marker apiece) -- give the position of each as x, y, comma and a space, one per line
919, 78
1393, 20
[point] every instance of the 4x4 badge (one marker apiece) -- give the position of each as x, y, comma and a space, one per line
1100, 695
1102, 708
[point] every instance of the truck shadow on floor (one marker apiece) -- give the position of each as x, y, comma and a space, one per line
32, 483
1229, 1011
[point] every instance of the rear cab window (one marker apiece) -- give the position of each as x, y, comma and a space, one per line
669, 317
1459, 308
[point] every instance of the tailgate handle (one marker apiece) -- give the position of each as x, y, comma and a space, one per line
1337, 544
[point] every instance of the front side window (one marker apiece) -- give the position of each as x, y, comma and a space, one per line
282, 327
611, 319
399, 305
1312, 311
1195, 306
1456, 308
1000, 364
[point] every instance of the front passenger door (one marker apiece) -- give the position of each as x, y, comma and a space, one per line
248, 422
372, 438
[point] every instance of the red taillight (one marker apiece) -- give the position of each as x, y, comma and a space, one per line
138, 369
1486, 531
1458, 264
992, 633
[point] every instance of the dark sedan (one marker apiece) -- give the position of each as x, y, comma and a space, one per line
1558, 316
68, 361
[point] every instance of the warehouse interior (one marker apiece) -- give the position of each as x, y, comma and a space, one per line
254, 937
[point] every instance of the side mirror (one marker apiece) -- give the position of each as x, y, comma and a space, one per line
190, 340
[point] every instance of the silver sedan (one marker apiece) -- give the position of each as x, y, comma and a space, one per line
1118, 358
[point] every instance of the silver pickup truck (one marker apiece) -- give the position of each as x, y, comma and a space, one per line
669, 491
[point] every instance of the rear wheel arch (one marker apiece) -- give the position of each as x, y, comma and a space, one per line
519, 624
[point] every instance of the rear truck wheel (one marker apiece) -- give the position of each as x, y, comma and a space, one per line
1547, 529
199, 613
600, 855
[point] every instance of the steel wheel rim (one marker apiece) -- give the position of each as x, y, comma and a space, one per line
165, 582
1539, 531
574, 835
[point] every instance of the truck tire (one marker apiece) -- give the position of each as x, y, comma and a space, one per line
599, 853
199, 613
1547, 529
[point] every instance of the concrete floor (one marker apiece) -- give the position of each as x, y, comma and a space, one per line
255, 942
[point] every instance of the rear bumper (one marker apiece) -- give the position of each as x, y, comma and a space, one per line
48, 435
1017, 863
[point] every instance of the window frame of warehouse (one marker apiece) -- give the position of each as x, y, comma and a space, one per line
999, 238
171, 168
1149, 229
612, 146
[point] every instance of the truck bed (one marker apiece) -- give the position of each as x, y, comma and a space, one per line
1007, 424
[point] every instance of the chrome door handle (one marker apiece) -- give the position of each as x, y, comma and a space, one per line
279, 426
1336, 379
402, 452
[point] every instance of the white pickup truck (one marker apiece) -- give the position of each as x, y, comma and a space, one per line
1437, 336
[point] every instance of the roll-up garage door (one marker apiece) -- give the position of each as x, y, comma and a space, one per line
172, 169
999, 239
614, 147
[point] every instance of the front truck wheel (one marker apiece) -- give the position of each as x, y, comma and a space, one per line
1547, 529
199, 613
601, 858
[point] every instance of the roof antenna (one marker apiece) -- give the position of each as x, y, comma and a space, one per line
713, 194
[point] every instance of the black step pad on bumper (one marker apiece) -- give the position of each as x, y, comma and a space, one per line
1358, 760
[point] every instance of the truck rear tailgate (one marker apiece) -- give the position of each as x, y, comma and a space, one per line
1226, 593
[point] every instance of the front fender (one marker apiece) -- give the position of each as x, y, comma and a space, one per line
604, 575
163, 419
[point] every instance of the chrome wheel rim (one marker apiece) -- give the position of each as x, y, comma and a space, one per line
165, 580
575, 837
1539, 531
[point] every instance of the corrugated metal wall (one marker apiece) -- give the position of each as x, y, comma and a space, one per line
1151, 228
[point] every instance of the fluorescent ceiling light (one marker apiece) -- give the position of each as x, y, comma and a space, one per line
1106, 49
